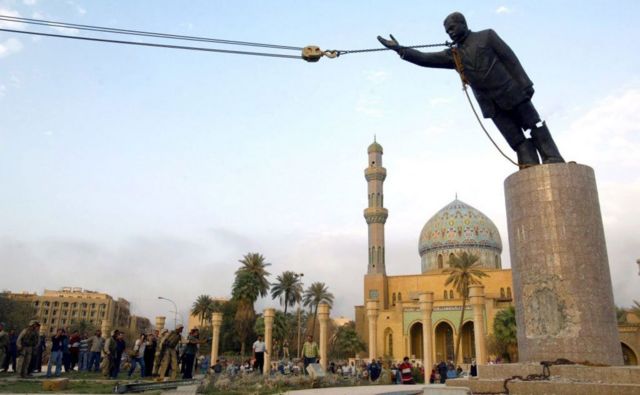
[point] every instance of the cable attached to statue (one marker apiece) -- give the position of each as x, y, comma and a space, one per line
465, 82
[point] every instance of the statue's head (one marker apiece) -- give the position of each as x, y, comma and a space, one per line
456, 27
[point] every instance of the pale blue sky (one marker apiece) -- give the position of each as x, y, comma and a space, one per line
119, 162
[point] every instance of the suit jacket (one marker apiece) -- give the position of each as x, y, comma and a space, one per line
494, 73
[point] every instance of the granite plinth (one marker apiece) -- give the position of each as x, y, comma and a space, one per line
562, 285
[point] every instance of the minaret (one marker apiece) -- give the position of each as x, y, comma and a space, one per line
375, 214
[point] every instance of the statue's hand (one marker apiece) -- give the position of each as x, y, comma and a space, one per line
391, 44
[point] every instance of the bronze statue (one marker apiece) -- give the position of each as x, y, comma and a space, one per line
500, 84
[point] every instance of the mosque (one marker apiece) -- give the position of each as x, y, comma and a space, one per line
414, 315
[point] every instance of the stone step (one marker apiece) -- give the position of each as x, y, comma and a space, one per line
556, 386
579, 373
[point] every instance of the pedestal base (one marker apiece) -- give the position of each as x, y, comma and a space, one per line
561, 280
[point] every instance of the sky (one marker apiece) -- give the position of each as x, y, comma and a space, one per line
146, 172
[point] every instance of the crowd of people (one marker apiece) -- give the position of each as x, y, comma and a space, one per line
156, 354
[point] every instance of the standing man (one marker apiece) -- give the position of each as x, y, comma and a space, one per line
4, 345
406, 371
170, 357
190, 351
259, 348
27, 340
309, 352
110, 352
159, 352
150, 352
55, 357
83, 356
499, 83
96, 344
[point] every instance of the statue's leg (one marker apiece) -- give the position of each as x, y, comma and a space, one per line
540, 134
507, 124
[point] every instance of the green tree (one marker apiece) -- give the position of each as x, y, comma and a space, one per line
345, 342
254, 264
463, 271
621, 315
288, 288
204, 307
505, 332
279, 325
635, 309
245, 292
15, 314
313, 296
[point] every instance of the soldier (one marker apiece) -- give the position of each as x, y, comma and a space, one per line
110, 354
159, 352
500, 84
27, 340
170, 356
4, 345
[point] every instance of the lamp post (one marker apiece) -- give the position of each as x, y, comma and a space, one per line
298, 275
175, 311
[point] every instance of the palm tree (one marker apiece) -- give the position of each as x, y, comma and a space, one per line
621, 315
245, 292
505, 330
313, 296
254, 263
288, 288
635, 309
463, 271
204, 307
345, 342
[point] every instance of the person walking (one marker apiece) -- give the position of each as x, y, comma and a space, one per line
170, 356
55, 357
309, 352
74, 349
259, 348
442, 371
150, 352
159, 352
406, 371
190, 351
137, 355
96, 345
121, 345
11, 359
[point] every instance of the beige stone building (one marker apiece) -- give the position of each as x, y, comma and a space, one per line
408, 315
61, 308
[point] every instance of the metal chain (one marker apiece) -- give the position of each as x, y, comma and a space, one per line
345, 52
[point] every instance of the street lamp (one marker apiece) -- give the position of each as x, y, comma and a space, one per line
175, 310
298, 275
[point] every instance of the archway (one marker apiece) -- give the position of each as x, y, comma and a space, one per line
444, 342
630, 357
415, 336
468, 342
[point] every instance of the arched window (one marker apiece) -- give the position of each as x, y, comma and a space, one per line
440, 263
399, 296
451, 260
446, 294
509, 292
451, 294
497, 262
502, 292
393, 299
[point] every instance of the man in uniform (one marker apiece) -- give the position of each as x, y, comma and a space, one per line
4, 345
500, 84
27, 340
170, 357
159, 352
110, 354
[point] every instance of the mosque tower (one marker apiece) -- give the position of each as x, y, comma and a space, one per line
376, 216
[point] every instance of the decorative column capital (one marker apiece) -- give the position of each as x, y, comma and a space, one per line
426, 301
323, 312
268, 315
375, 173
372, 308
376, 215
476, 294
216, 319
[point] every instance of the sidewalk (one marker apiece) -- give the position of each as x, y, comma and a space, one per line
431, 389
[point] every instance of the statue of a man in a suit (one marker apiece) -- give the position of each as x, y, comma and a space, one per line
500, 84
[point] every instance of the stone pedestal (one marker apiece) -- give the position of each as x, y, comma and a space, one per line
426, 307
323, 318
216, 322
476, 299
563, 295
372, 316
269, 315
160, 320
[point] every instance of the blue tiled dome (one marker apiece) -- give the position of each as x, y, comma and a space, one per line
459, 225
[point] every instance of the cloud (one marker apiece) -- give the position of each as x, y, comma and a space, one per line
29, 2
10, 46
3, 90
503, 10
66, 30
438, 101
370, 106
11, 25
376, 76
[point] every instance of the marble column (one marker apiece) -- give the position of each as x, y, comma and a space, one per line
269, 315
426, 307
561, 279
323, 318
372, 316
105, 328
216, 322
476, 299
160, 320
